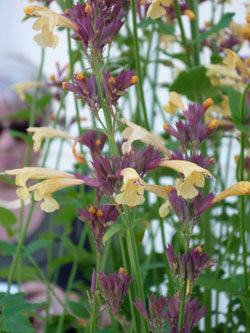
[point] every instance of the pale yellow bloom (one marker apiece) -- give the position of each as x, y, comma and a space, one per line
135, 132
41, 133
43, 190
22, 86
241, 188
174, 103
156, 10
132, 189
162, 192
24, 174
234, 61
46, 22
193, 176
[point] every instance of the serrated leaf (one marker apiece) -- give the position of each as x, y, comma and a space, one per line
17, 324
194, 83
6, 248
14, 308
112, 231
223, 23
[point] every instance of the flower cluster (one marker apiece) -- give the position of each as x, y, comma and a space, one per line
191, 317
191, 132
189, 265
99, 219
113, 87
114, 288
155, 315
98, 23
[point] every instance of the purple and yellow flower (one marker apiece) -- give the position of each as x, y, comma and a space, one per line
192, 314
99, 219
114, 288
155, 315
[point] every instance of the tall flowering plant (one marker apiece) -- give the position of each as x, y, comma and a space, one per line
130, 178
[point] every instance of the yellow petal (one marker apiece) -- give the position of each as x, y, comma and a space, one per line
132, 189
193, 176
21, 86
46, 22
135, 132
155, 10
23, 193
175, 103
44, 189
24, 174
164, 209
41, 133
241, 188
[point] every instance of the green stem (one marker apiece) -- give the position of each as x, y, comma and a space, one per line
183, 35
133, 256
182, 307
95, 305
19, 248
71, 280
138, 65
194, 6
132, 289
242, 202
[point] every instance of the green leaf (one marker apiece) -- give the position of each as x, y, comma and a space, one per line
223, 23
194, 83
22, 114
112, 231
6, 248
14, 308
79, 309
139, 230
220, 285
235, 98
17, 324
146, 22
7, 220
35, 246
165, 29
27, 273
43, 102
245, 301
7, 180
21, 135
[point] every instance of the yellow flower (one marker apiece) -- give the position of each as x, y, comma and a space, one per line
193, 176
45, 132
162, 192
234, 61
155, 10
44, 189
135, 132
24, 174
21, 86
241, 188
174, 103
47, 21
132, 189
